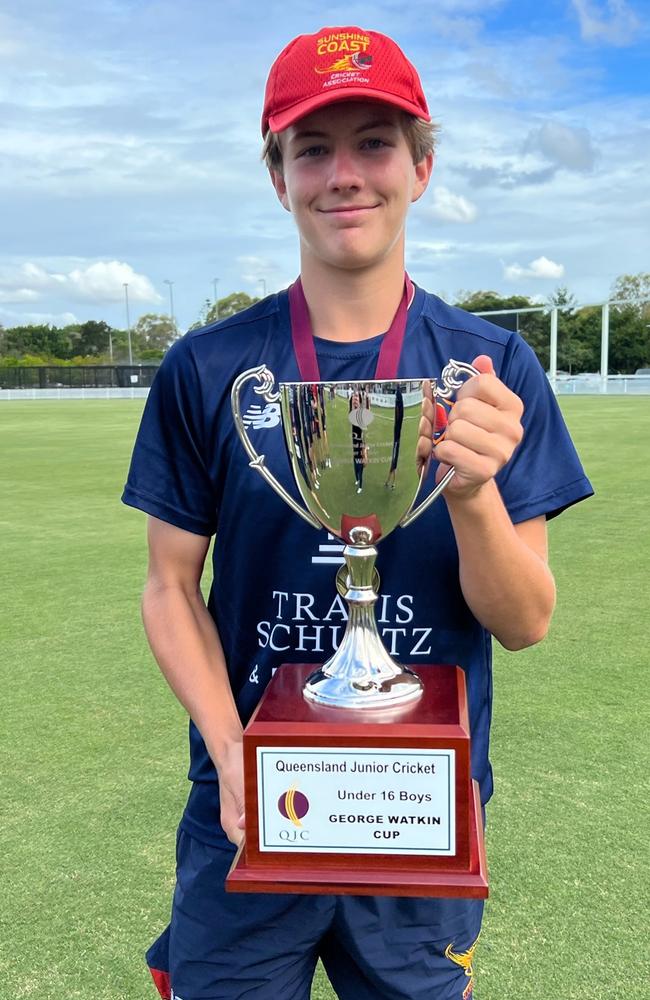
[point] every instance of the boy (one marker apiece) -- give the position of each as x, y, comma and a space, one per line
349, 146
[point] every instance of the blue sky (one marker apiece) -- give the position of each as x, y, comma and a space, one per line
129, 149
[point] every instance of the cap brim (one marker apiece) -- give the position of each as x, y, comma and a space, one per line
281, 121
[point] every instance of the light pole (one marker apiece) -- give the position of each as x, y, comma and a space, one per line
171, 301
128, 321
215, 282
263, 284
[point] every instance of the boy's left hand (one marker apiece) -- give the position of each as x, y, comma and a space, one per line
483, 430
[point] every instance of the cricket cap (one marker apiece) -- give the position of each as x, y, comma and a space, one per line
339, 64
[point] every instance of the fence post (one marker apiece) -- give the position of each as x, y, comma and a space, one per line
553, 352
604, 347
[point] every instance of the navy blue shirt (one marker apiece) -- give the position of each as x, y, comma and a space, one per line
273, 597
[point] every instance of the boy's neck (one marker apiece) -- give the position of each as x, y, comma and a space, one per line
349, 306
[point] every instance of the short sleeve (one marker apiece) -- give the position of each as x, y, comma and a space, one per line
169, 473
545, 475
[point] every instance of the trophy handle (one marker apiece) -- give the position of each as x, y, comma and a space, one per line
266, 379
450, 382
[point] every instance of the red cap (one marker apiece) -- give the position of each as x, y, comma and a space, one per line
339, 64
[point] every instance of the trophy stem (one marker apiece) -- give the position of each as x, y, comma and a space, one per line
361, 673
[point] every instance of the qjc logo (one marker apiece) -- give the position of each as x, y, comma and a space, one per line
294, 806
257, 418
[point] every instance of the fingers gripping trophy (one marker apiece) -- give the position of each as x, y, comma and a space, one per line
359, 452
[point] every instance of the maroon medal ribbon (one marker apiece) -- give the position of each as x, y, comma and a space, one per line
303, 338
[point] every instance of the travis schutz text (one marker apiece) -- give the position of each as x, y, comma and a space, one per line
300, 624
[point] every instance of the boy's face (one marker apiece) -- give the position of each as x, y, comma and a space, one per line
348, 178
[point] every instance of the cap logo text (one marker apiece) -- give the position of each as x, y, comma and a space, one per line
343, 42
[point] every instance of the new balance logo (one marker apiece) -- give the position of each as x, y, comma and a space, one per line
256, 417
175, 996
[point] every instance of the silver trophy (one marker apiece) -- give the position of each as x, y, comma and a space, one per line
353, 449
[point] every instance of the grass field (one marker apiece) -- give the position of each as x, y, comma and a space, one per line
93, 744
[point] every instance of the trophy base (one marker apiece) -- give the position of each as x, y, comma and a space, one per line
361, 802
367, 878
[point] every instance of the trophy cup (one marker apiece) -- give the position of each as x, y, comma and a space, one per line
357, 773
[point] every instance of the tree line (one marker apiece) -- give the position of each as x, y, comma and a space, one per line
579, 331
95, 342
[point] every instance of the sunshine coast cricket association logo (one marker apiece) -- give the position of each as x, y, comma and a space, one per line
345, 53
293, 805
348, 64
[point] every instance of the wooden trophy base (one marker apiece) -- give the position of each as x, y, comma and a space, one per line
338, 834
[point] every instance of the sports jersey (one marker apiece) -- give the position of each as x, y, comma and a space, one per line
273, 596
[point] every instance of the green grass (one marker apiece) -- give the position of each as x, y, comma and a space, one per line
94, 748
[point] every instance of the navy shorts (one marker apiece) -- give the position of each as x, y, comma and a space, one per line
249, 946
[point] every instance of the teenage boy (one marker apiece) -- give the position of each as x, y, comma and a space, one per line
348, 142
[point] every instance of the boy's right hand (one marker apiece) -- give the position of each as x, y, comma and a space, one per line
230, 768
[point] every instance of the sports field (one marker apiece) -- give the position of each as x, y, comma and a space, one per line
93, 743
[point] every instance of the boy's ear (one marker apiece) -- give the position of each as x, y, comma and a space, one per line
422, 176
277, 180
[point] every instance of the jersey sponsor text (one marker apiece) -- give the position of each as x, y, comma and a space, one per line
300, 624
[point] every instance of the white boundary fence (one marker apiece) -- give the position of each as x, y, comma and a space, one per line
613, 385
576, 385
107, 393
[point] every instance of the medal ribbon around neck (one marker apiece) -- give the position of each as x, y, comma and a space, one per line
303, 335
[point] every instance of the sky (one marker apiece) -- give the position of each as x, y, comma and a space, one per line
130, 149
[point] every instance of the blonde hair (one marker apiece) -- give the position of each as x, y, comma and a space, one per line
420, 137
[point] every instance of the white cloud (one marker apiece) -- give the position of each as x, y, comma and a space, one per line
437, 248
541, 267
564, 145
256, 263
423, 256
452, 207
464, 30
9, 319
615, 23
492, 78
256, 270
102, 281
458, 7
10, 43
19, 295
8, 48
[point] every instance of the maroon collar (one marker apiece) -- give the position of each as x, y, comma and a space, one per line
303, 337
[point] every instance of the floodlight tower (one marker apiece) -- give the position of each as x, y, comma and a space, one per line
128, 321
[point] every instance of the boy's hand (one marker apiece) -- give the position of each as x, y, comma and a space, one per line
483, 430
231, 792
